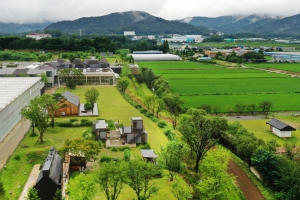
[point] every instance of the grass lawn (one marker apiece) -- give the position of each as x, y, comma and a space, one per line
261, 130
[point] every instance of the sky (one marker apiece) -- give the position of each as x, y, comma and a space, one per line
35, 11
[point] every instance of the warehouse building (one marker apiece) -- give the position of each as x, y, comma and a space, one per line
15, 94
154, 57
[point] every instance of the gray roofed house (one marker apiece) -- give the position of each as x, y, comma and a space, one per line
148, 155
49, 179
77, 63
71, 97
280, 128
18, 71
100, 128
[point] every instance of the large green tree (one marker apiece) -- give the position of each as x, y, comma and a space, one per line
71, 76
173, 107
81, 187
38, 111
91, 96
111, 179
201, 132
140, 173
61, 103
122, 84
171, 157
266, 107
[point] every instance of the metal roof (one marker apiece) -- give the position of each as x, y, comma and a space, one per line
280, 125
101, 124
71, 97
12, 87
148, 153
136, 118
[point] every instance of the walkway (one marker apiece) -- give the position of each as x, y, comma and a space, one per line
12, 140
31, 181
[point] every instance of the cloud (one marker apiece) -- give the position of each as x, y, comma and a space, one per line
30, 11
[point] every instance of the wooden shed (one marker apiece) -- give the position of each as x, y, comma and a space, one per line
73, 103
280, 128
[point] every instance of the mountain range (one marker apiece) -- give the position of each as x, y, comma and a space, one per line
145, 24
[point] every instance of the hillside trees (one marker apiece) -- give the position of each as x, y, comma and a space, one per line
173, 106
201, 132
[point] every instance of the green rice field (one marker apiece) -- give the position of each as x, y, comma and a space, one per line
293, 67
199, 83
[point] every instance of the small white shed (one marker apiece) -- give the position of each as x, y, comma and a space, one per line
280, 128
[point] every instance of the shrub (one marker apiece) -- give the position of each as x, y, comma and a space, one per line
65, 124
114, 149
138, 106
84, 120
143, 110
111, 125
105, 159
144, 146
73, 120
76, 123
149, 114
17, 157
66, 120
154, 119
169, 132
158, 171
86, 123
161, 124
126, 156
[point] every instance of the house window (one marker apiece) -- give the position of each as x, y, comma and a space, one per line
134, 124
49, 73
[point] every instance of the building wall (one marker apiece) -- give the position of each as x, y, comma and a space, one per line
70, 110
10, 115
282, 133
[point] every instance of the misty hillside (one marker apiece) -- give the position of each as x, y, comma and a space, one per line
9, 28
116, 23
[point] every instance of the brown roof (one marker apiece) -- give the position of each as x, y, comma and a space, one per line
61, 60
91, 61
103, 60
77, 61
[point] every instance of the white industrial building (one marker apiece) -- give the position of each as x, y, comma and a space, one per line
154, 57
38, 36
15, 94
129, 33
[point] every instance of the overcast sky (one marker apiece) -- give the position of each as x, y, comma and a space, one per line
28, 11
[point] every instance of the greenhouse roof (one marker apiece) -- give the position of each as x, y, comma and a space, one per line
12, 88
150, 57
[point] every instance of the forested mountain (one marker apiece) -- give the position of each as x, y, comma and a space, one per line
8, 28
116, 23
264, 25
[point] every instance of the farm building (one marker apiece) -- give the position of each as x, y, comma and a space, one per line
15, 93
100, 128
49, 179
72, 102
280, 128
154, 57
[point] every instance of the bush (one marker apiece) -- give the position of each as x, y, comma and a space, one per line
73, 120
84, 120
66, 120
158, 171
105, 159
86, 123
76, 123
154, 119
161, 124
17, 157
126, 156
149, 114
114, 149
144, 146
143, 110
169, 132
65, 124
138, 106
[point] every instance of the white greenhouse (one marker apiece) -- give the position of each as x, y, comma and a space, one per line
154, 57
15, 93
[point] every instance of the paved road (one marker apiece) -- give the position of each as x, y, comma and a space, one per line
12, 140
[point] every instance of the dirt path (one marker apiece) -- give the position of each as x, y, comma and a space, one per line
248, 188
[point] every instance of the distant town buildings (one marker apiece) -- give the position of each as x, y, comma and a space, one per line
129, 33
38, 36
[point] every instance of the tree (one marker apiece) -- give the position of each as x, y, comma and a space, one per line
216, 109
291, 149
201, 132
172, 105
205, 107
2, 191
58, 195
171, 157
71, 76
111, 179
214, 176
44, 78
252, 108
180, 191
38, 111
89, 148
140, 173
148, 76
266, 107
42, 58
266, 163
122, 84
126, 155
240, 107
229, 109
126, 71
150, 101
81, 187
32, 194
60, 99
91, 96
159, 106
88, 106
